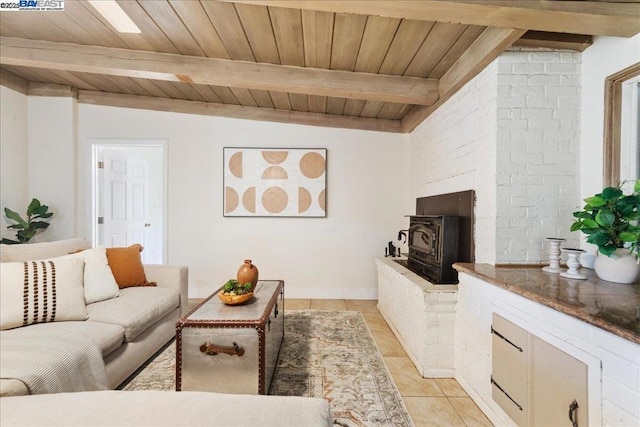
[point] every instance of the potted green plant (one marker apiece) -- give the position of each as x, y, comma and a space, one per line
610, 221
27, 228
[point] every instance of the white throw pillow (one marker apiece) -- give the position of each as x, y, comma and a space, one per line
41, 291
99, 283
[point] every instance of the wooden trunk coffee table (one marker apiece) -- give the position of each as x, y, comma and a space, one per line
231, 348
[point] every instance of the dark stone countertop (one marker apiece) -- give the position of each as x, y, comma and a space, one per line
614, 307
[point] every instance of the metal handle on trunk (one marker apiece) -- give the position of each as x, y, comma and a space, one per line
212, 349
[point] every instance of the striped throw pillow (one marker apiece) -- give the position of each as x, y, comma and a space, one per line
41, 291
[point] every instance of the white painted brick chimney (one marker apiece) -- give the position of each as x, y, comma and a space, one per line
511, 134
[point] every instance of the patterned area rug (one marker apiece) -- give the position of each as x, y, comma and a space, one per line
327, 354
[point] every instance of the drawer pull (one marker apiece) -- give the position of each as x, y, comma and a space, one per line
573, 408
505, 393
493, 331
213, 349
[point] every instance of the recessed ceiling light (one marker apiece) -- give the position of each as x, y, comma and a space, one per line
112, 12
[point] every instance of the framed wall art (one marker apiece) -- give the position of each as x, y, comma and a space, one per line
278, 182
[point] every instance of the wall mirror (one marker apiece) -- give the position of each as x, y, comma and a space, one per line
622, 126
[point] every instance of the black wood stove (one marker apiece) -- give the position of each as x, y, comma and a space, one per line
433, 247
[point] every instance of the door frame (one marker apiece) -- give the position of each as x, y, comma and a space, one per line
96, 143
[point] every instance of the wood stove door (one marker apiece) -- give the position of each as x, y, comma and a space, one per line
423, 239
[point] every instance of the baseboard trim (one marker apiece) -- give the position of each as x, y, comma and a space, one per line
291, 291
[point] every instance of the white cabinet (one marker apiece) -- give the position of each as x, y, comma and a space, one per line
613, 362
535, 383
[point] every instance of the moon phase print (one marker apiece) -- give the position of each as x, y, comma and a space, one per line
279, 182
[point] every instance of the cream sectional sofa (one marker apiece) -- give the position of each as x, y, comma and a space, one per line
163, 408
128, 329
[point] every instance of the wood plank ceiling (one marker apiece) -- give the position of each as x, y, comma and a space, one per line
378, 65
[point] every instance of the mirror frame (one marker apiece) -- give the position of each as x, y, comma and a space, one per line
613, 123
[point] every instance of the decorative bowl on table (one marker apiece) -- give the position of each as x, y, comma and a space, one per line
230, 299
233, 292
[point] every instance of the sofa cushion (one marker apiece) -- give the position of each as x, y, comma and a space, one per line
135, 309
41, 291
161, 408
126, 265
29, 251
106, 335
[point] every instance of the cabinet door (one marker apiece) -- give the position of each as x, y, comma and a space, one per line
510, 369
557, 379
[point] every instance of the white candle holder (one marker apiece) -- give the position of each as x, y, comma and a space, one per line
554, 255
573, 264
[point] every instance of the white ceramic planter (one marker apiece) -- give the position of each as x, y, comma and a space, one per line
620, 267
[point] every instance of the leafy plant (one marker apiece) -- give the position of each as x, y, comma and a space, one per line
28, 228
233, 287
610, 220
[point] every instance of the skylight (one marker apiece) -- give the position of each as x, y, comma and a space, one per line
113, 13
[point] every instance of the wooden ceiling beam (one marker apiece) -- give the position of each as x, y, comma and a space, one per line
540, 39
52, 89
579, 17
487, 47
217, 72
237, 111
13, 81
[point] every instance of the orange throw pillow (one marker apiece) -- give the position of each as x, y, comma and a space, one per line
126, 266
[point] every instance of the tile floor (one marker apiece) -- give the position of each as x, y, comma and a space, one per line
431, 402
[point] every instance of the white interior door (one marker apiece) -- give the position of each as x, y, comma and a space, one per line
130, 195
125, 200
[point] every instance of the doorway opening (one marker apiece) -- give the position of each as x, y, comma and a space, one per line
129, 196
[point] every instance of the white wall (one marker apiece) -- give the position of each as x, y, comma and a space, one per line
14, 164
52, 162
38, 159
329, 257
605, 57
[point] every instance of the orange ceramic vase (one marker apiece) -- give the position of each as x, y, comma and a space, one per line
248, 273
